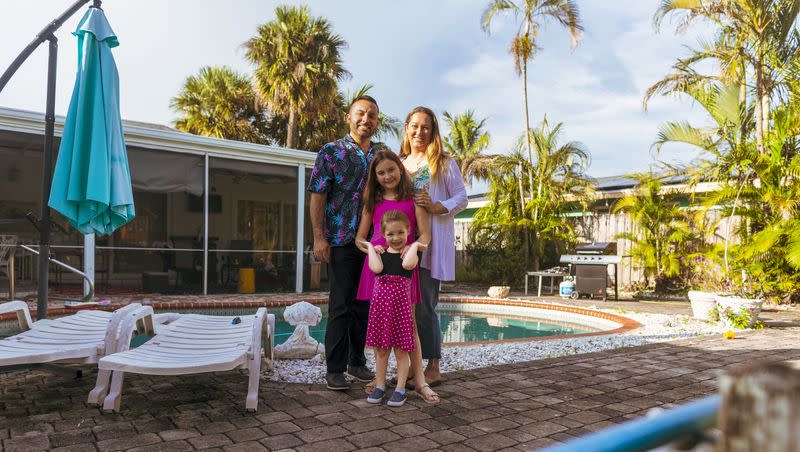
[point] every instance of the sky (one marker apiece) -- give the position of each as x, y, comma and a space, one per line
414, 52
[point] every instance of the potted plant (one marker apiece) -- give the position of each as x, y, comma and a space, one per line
741, 310
706, 282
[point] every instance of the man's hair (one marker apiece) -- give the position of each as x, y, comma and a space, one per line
391, 216
366, 98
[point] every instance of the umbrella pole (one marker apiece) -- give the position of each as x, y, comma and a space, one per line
47, 179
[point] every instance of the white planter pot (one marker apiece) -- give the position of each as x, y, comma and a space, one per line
736, 304
701, 303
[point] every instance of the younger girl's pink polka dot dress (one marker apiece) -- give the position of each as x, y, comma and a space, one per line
390, 317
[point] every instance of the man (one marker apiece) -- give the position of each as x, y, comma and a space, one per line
336, 186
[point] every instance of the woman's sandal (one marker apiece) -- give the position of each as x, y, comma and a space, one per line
369, 387
432, 398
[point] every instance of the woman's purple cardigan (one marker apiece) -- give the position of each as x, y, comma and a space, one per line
448, 189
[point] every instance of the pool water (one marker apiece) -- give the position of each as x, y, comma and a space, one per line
455, 326
464, 327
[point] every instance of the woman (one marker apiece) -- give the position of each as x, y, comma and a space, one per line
439, 190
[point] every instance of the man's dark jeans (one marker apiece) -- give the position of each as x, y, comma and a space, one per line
346, 331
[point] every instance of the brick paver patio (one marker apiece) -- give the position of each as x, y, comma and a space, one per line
523, 406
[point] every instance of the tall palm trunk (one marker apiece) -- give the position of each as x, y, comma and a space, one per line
765, 113
527, 120
522, 212
758, 106
530, 161
291, 129
742, 104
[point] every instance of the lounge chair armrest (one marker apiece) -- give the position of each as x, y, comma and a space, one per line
22, 311
258, 327
112, 330
142, 315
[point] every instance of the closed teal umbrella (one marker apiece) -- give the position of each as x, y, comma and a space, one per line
92, 183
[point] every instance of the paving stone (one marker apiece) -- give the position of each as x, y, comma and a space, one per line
494, 425
407, 430
246, 434
114, 430
327, 446
215, 427
245, 447
279, 442
26, 443
207, 441
71, 437
365, 425
279, 428
176, 435
277, 416
170, 446
406, 444
83, 447
372, 438
490, 442
128, 441
322, 433
445, 437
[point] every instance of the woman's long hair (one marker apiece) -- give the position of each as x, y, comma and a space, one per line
373, 192
435, 151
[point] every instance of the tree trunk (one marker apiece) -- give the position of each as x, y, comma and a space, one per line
760, 408
758, 107
522, 212
527, 121
765, 114
291, 129
742, 105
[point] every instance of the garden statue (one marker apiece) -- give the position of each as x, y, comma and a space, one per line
300, 345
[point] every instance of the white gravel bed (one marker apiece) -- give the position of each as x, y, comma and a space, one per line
655, 328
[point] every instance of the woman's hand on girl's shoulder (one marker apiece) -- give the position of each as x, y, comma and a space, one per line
421, 246
379, 249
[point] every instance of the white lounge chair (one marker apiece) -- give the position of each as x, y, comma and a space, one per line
189, 345
80, 338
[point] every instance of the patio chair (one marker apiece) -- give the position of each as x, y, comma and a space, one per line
193, 344
81, 338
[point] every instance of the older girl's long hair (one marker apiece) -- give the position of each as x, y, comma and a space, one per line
373, 192
435, 151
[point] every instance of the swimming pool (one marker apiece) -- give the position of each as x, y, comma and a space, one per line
462, 321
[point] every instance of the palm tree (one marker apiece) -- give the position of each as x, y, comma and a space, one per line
524, 45
662, 229
298, 65
759, 34
559, 171
466, 142
219, 102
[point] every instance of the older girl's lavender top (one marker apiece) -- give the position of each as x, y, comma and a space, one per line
447, 189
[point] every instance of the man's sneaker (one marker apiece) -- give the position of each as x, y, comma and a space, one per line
336, 381
360, 373
376, 396
397, 399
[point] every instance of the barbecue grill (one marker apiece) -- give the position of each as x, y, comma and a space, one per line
591, 263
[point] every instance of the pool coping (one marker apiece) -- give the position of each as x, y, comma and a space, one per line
625, 323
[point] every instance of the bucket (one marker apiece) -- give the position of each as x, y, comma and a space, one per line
247, 280
566, 288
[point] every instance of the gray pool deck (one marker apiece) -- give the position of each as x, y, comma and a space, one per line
523, 406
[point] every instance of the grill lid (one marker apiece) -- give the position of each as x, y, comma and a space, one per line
604, 248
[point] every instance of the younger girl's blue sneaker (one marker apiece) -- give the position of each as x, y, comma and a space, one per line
376, 396
398, 399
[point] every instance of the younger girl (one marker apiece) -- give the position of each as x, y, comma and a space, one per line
391, 322
388, 187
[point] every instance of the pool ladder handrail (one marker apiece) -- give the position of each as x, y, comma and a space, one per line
88, 297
